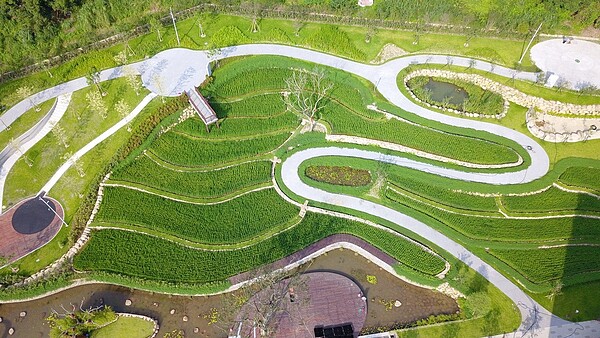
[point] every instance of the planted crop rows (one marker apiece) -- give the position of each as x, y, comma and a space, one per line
585, 177
185, 151
503, 229
239, 219
552, 199
209, 184
458, 147
154, 258
443, 195
543, 265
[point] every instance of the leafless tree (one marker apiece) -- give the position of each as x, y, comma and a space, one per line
305, 93
133, 80
96, 103
59, 132
25, 92
257, 307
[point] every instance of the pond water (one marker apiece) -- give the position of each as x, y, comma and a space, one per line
441, 90
416, 302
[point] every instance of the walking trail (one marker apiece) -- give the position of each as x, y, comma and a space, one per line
171, 72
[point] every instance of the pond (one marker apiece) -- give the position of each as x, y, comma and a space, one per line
382, 289
440, 90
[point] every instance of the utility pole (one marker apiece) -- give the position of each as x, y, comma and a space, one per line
530, 41
174, 25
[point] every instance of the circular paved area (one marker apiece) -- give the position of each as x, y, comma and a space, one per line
33, 216
28, 226
577, 62
173, 71
322, 299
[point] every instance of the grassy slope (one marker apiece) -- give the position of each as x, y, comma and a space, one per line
505, 51
126, 327
81, 126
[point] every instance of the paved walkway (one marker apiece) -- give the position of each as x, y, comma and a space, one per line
61, 171
30, 138
173, 71
577, 62
291, 179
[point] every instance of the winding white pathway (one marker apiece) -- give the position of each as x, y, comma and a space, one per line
171, 72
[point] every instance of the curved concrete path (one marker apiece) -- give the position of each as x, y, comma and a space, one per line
27, 140
291, 179
173, 71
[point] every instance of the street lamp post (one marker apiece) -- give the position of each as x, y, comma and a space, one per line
174, 25
50, 208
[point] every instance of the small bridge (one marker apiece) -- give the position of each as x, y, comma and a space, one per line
204, 110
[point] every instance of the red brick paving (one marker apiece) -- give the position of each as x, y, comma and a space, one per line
14, 245
326, 299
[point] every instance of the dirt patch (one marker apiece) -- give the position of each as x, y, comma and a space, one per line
416, 302
384, 291
388, 52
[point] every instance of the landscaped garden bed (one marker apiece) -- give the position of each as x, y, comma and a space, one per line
456, 96
339, 175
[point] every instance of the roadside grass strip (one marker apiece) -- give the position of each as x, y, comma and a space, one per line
544, 265
149, 257
501, 229
224, 223
146, 174
185, 151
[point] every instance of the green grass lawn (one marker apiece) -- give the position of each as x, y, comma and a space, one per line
126, 327
502, 51
81, 126
24, 123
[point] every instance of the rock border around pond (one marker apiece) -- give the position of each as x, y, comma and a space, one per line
425, 73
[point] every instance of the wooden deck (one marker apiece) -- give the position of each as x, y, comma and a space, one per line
36, 227
204, 110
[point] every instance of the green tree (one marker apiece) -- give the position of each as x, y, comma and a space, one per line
80, 322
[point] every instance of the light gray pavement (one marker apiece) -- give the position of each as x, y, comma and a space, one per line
531, 312
173, 71
109, 132
577, 62
28, 139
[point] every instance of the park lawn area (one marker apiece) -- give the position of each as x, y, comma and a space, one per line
126, 327
24, 123
71, 188
504, 51
80, 126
